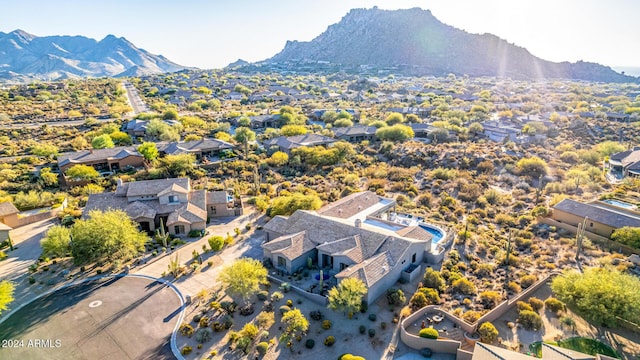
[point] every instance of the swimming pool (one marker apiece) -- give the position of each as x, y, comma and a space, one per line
436, 232
621, 204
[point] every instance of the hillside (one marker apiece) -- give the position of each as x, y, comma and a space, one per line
24, 56
415, 41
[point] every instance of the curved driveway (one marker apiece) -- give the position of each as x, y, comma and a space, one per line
109, 318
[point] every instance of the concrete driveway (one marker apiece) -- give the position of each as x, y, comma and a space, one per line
110, 318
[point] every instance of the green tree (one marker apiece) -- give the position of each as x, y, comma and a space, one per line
149, 150
82, 172
295, 324
608, 148
288, 204
602, 295
627, 235
433, 279
45, 149
244, 135
57, 241
394, 118
488, 332
178, 165
120, 138
532, 166
396, 133
102, 142
278, 158
109, 235
347, 296
6, 294
395, 297
243, 277
292, 130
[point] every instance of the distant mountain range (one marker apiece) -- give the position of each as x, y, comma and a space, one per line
25, 57
414, 41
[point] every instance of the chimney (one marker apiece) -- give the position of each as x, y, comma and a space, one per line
358, 223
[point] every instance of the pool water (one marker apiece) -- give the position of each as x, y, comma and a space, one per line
621, 204
437, 233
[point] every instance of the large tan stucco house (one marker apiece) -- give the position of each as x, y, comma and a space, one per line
181, 208
349, 239
602, 218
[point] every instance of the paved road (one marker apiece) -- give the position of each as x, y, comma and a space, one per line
135, 101
114, 318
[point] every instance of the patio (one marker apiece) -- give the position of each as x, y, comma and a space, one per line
446, 328
311, 282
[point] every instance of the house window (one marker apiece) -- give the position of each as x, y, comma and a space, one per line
179, 229
590, 224
282, 262
213, 210
173, 198
413, 258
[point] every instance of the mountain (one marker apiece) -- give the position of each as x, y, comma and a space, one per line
24, 56
415, 41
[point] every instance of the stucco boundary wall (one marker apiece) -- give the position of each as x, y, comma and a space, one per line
15, 222
446, 346
318, 299
601, 240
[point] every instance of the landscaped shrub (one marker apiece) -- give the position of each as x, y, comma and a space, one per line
364, 307
326, 324
372, 333
276, 296
229, 306
262, 295
216, 243
395, 297
233, 336
329, 341
246, 310
471, 316
204, 322
530, 320
285, 287
243, 343
554, 305
428, 333
262, 347
310, 343
217, 326
523, 306
203, 335
186, 330
284, 309
350, 357
536, 304
289, 303
362, 329
265, 319
227, 322
249, 330
186, 350
383, 325
373, 317
488, 332
316, 315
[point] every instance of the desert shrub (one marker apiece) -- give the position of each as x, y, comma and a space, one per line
203, 335
262, 347
528, 280
246, 309
471, 316
530, 320
350, 357
488, 332
329, 341
289, 303
233, 336
229, 306
362, 329
523, 306
276, 296
428, 333
383, 325
536, 304
262, 295
490, 299
265, 319
186, 350
216, 243
373, 317
309, 344
316, 315
227, 322
216, 326
283, 309
204, 322
186, 330
514, 287
554, 305
326, 324
395, 297
249, 330
464, 286
243, 343
372, 332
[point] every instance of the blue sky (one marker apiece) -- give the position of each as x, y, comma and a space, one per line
213, 33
